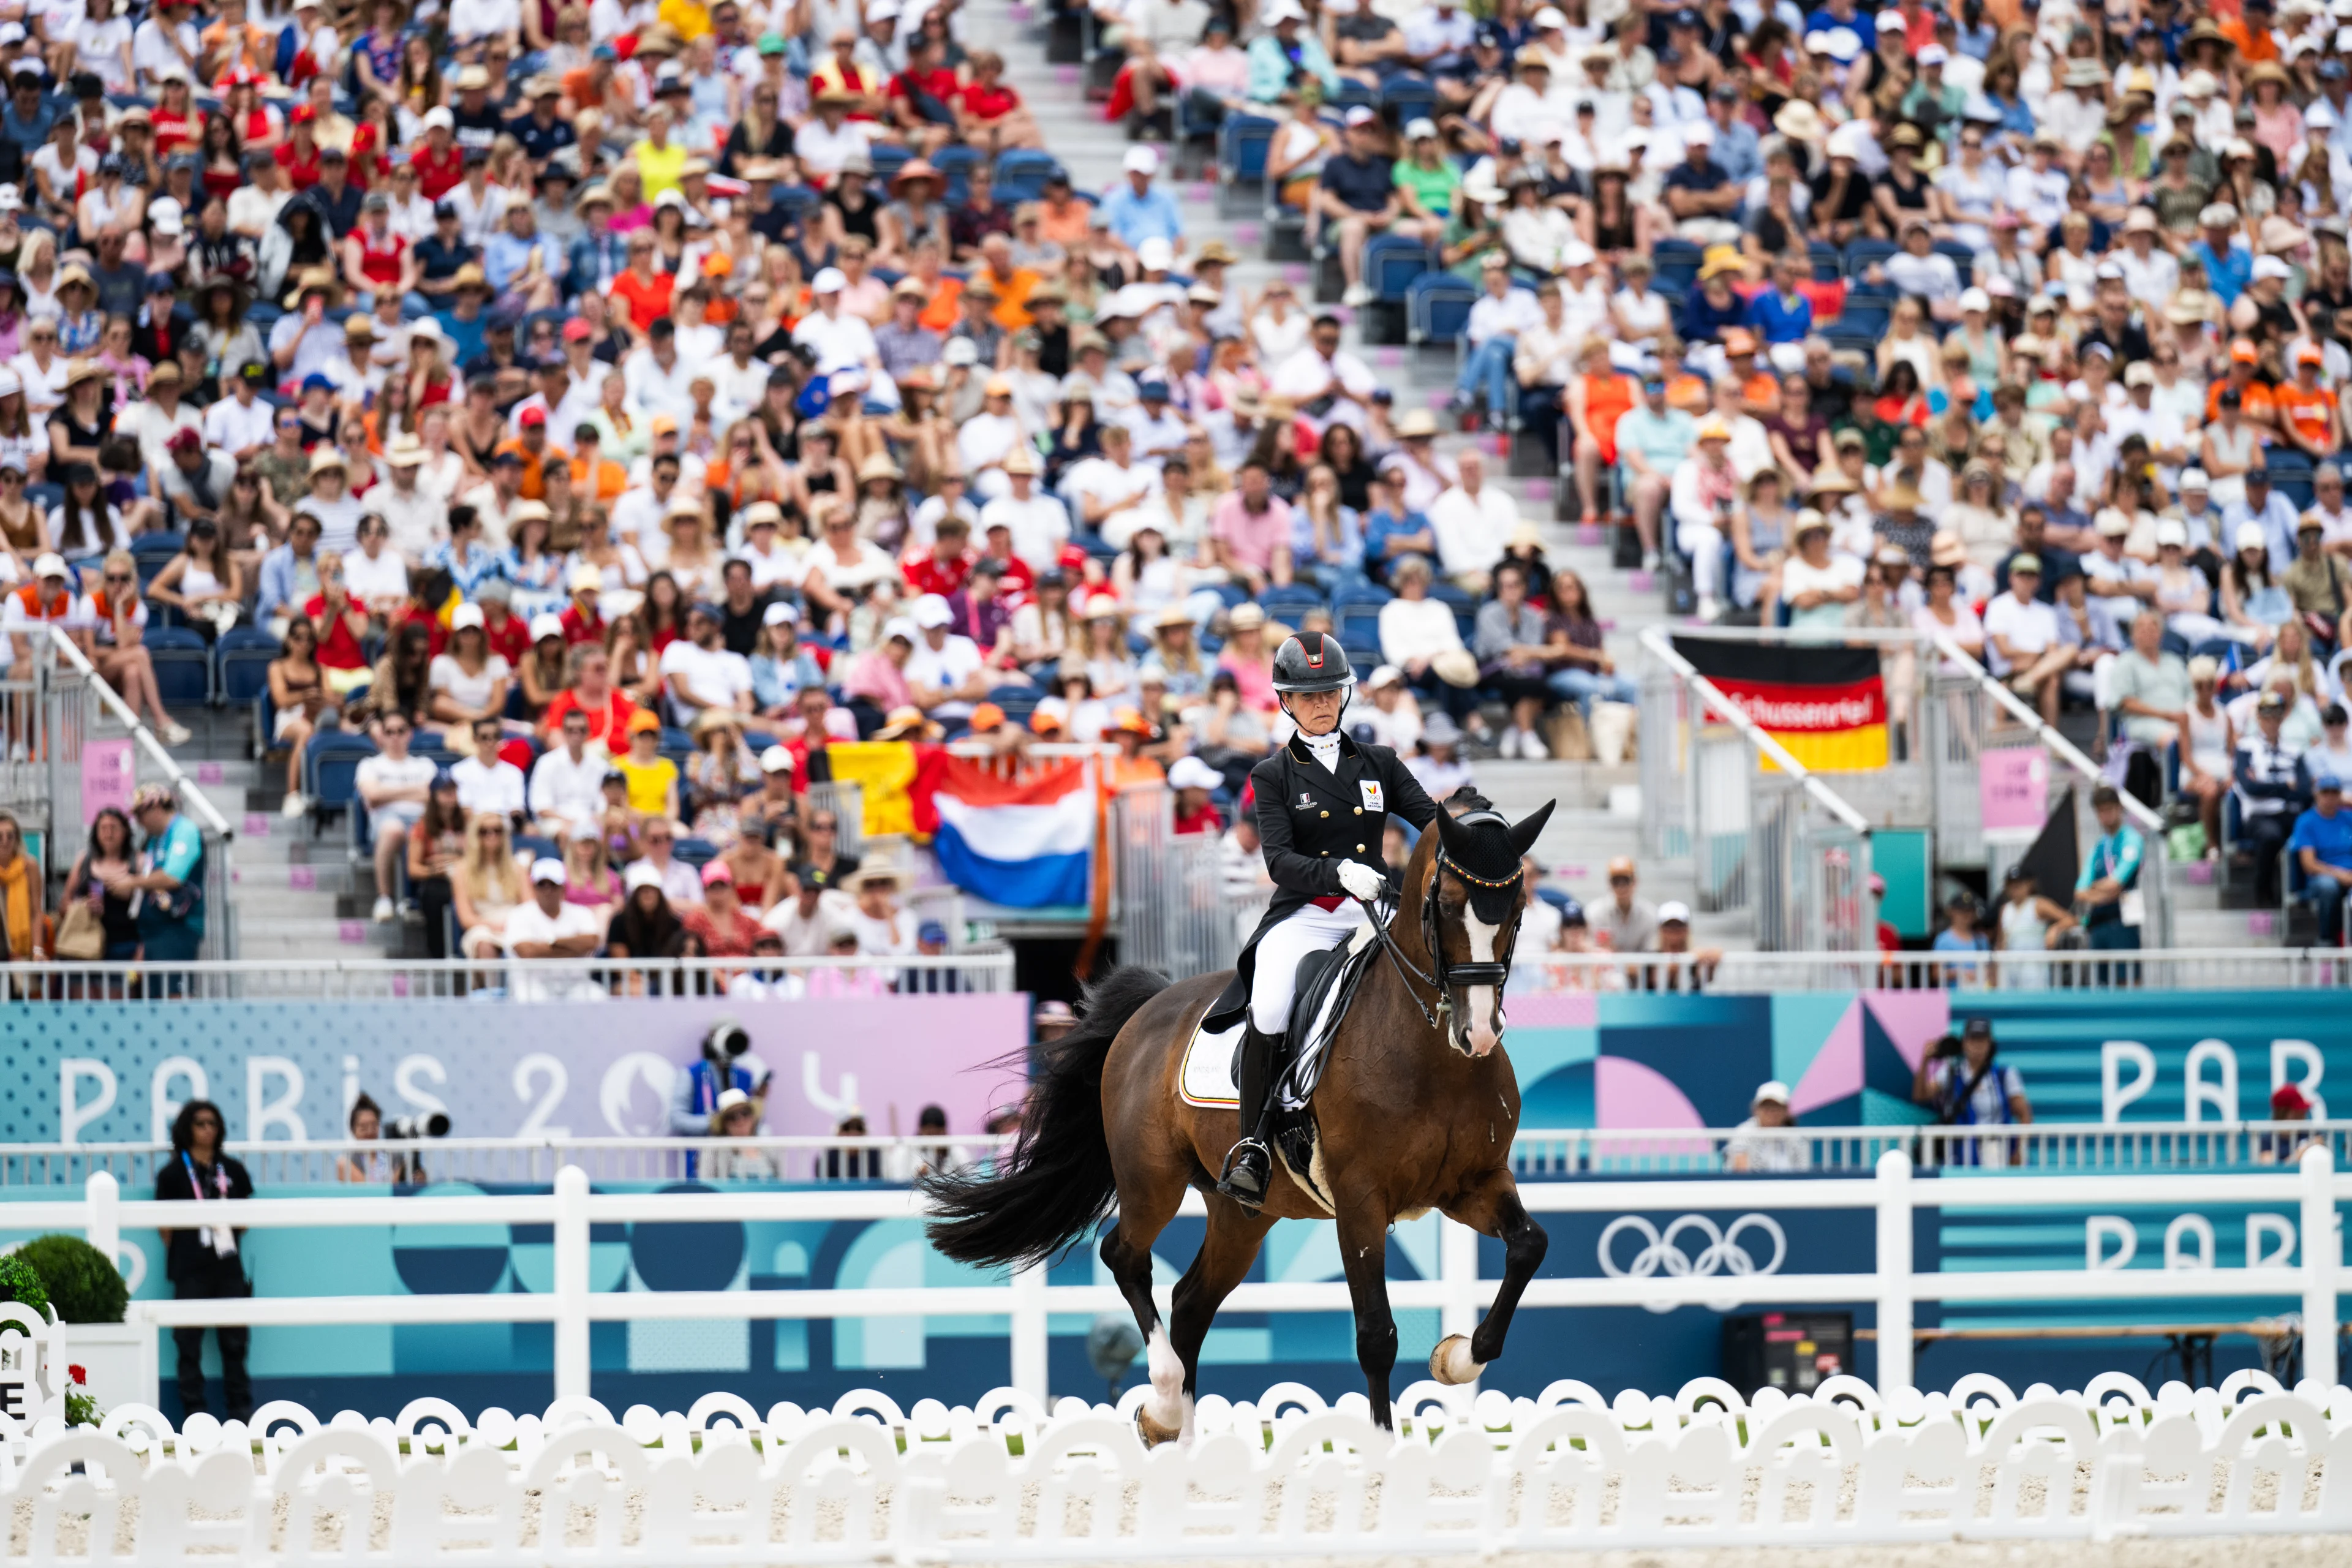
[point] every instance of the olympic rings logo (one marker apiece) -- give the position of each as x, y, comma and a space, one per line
1662, 1253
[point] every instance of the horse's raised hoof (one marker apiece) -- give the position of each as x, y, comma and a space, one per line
1450, 1364
1153, 1433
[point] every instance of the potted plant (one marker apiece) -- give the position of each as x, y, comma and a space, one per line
111, 1362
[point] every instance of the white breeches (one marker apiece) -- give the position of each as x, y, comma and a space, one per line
1302, 932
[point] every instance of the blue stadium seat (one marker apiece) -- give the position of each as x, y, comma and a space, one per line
1437, 308
1287, 604
1464, 606
1862, 254
1357, 624
1829, 265
1021, 173
888, 158
957, 161
794, 201
1676, 253
1962, 258
331, 770
1408, 96
184, 665
1359, 593
1391, 263
2291, 475
1242, 145
153, 552
242, 657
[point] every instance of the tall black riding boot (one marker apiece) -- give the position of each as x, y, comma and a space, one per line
1250, 1166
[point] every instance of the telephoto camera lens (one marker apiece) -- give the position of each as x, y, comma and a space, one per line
432, 1124
727, 1040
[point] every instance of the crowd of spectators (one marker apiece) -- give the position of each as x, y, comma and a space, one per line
2022, 325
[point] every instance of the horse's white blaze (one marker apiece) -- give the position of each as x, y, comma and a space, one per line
1479, 1000
1166, 1401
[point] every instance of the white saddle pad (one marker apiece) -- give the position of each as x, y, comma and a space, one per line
1208, 1076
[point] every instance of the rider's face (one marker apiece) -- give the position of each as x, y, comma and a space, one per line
1317, 712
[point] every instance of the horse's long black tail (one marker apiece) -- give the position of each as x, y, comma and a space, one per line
1056, 1183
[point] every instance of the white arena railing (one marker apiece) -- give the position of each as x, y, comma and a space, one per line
1536, 1153
305, 980
1011, 1480
1458, 1292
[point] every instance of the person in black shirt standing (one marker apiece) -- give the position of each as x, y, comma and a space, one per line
202, 1263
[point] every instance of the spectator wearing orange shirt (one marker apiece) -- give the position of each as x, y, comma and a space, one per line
594, 476
644, 289
2250, 34
2254, 402
531, 447
2306, 410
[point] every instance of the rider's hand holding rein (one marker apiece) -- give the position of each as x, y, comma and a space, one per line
1360, 881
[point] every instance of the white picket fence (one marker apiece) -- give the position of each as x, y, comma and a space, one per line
1010, 1480
1458, 1292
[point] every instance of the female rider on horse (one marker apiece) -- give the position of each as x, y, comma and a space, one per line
1323, 805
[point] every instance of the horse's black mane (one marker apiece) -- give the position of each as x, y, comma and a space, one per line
1468, 798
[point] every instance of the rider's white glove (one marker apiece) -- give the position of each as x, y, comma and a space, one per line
1360, 881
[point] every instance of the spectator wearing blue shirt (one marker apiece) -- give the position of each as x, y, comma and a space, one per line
1962, 934
1392, 530
2110, 872
1845, 14
1713, 304
519, 262
2229, 263
1737, 147
1136, 210
463, 326
30, 114
2322, 846
171, 877
1288, 49
1780, 314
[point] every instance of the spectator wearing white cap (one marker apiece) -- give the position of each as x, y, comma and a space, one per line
2160, 426
2200, 517
836, 339
546, 928
1758, 1145
1135, 210
1673, 939
947, 673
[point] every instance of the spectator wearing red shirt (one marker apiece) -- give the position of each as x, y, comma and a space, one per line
592, 692
300, 155
944, 567
1018, 582
720, 923
340, 622
923, 98
439, 161
508, 633
642, 288
179, 123
1192, 780
582, 621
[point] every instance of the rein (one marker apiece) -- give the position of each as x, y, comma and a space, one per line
1441, 977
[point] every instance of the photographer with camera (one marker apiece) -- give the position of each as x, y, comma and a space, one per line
367, 1125
1965, 1087
726, 1063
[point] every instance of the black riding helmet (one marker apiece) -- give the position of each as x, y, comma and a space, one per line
1312, 661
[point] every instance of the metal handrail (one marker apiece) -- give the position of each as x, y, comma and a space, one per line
2057, 745
203, 809
1655, 639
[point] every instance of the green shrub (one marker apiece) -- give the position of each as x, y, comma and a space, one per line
21, 1283
83, 1285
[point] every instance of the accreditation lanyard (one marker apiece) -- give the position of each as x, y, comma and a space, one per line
221, 1238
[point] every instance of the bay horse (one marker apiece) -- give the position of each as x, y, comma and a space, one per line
1416, 1110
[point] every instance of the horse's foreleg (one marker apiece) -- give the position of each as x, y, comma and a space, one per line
1492, 1207
1364, 1252
1225, 1255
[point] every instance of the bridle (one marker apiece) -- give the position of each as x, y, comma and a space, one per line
1441, 976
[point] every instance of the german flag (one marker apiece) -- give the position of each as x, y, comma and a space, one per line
1826, 704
